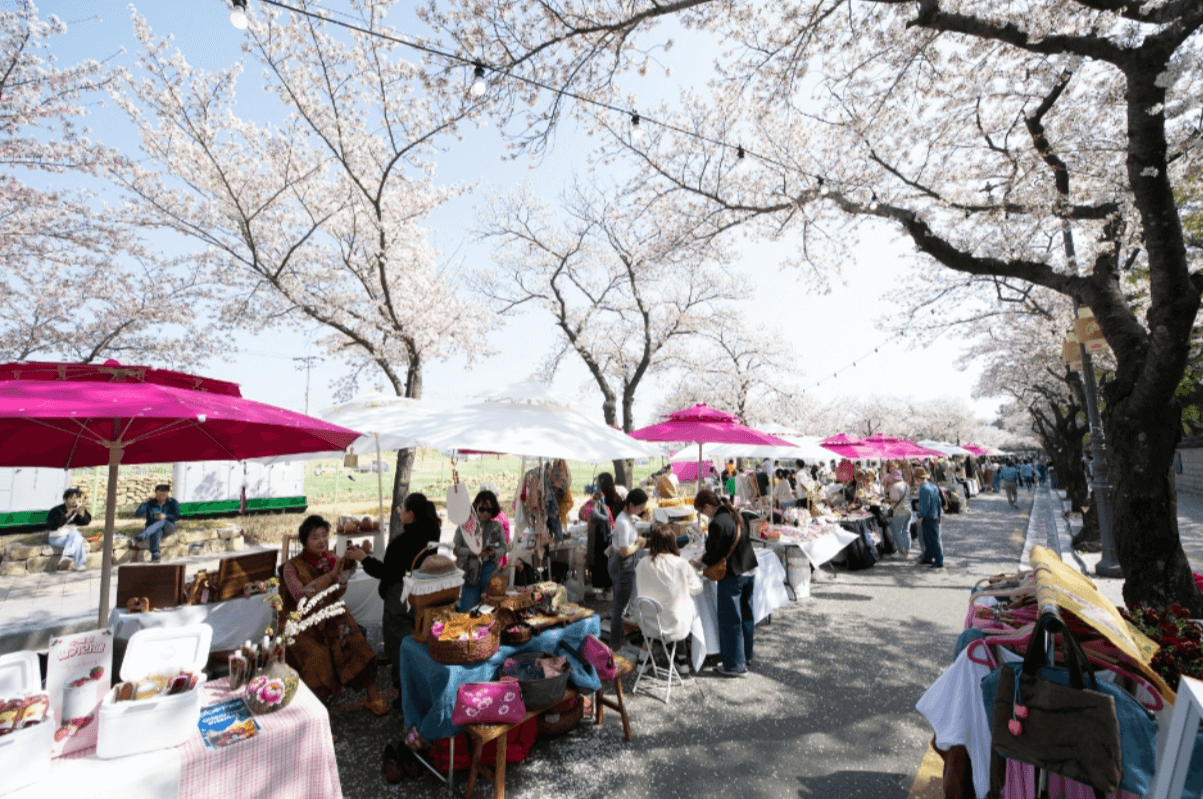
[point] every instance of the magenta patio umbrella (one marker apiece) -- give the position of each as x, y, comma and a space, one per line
851, 448
975, 449
67, 416
899, 447
702, 424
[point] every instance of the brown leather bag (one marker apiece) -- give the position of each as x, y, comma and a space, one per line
719, 570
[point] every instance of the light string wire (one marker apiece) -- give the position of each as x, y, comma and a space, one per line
741, 150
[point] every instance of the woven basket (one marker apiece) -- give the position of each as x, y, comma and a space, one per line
424, 617
466, 651
563, 717
521, 636
511, 602
419, 601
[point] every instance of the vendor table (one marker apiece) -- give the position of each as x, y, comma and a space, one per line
291, 757
244, 619
768, 594
429, 688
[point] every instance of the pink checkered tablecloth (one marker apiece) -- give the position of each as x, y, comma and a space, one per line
292, 757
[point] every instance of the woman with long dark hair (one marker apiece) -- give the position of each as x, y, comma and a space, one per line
420, 526
599, 512
726, 539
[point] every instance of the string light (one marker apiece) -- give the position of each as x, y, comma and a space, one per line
478, 85
740, 156
873, 202
636, 130
822, 187
238, 15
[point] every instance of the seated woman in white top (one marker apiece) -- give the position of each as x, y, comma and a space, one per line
670, 580
783, 493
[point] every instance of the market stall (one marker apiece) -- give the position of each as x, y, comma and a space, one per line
429, 688
245, 618
1004, 622
292, 755
768, 594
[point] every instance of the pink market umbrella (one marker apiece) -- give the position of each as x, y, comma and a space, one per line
899, 447
702, 424
67, 416
975, 449
851, 448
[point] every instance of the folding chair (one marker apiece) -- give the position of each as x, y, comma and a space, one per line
647, 613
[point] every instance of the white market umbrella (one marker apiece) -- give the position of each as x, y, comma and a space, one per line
945, 447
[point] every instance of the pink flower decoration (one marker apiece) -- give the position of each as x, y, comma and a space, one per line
257, 683
272, 692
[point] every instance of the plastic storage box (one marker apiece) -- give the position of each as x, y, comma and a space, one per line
144, 725
24, 754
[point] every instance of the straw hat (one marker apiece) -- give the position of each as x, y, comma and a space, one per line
920, 472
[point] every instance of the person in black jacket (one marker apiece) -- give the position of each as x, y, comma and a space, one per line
420, 526
727, 539
63, 521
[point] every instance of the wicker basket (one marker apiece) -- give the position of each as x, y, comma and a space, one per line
564, 716
419, 601
461, 651
424, 617
512, 637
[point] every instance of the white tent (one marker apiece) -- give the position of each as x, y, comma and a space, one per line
945, 447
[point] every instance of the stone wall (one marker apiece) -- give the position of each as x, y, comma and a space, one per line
1190, 482
33, 558
132, 490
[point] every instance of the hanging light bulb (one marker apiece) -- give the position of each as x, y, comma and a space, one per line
238, 15
478, 85
636, 129
873, 202
822, 188
740, 156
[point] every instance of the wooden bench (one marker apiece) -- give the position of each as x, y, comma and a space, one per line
481, 734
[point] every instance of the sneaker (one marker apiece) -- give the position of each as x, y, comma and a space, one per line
83, 567
720, 669
155, 558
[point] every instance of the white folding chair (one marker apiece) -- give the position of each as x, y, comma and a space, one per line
647, 613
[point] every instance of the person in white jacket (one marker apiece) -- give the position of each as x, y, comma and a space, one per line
670, 580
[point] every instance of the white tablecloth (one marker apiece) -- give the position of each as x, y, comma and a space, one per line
768, 594
244, 619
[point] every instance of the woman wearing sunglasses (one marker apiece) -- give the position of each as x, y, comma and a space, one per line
479, 544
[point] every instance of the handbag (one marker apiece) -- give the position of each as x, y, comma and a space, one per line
489, 703
1070, 730
596, 654
718, 571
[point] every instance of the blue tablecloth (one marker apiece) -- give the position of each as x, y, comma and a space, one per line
429, 688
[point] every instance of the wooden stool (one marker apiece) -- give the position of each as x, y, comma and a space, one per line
623, 667
481, 734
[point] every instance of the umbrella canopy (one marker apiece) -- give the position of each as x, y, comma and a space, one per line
702, 424
71, 415
979, 450
854, 449
532, 429
945, 448
899, 447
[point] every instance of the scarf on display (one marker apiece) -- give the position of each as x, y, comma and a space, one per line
473, 535
323, 563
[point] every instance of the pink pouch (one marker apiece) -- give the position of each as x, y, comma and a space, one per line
600, 657
489, 703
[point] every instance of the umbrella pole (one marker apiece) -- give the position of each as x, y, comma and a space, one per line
110, 518
699, 486
379, 480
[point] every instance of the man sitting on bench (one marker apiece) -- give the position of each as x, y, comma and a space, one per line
161, 514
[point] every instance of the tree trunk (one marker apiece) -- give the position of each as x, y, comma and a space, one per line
1140, 455
624, 471
405, 457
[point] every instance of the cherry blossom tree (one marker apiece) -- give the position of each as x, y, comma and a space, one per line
628, 297
316, 219
1033, 143
79, 282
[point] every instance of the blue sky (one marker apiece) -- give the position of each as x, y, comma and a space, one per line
828, 331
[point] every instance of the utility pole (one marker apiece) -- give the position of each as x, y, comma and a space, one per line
308, 362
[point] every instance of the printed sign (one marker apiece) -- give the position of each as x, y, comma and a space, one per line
78, 674
226, 723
